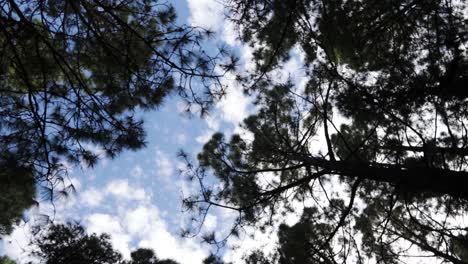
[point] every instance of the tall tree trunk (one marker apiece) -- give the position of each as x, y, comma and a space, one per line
433, 150
416, 178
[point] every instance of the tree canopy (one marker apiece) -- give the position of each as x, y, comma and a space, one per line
69, 243
17, 192
371, 151
213, 259
147, 256
6, 260
73, 73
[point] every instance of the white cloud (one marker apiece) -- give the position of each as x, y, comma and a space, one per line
99, 152
128, 216
164, 165
74, 181
92, 177
15, 244
247, 57
166, 245
211, 222
138, 220
181, 138
137, 171
230, 35
92, 197
212, 120
105, 223
181, 107
265, 242
206, 14
121, 190
234, 107
205, 136
145, 224
210, 14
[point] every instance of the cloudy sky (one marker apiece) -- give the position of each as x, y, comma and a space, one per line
136, 196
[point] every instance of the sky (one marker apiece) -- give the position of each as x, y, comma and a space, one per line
136, 197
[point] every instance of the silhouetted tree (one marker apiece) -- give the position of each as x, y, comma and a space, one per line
6, 260
72, 74
17, 191
259, 257
69, 243
167, 261
381, 123
147, 256
213, 259
295, 242
143, 256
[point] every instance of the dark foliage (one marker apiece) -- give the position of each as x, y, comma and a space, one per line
213, 259
17, 191
6, 260
143, 256
72, 74
147, 256
69, 243
375, 143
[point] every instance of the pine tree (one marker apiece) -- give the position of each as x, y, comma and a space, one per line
213, 259
375, 143
6, 260
147, 256
69, 243
17, 191
74, 73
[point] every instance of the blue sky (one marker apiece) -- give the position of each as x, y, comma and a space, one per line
136, 197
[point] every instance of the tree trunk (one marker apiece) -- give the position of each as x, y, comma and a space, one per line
442, 150
417, 178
